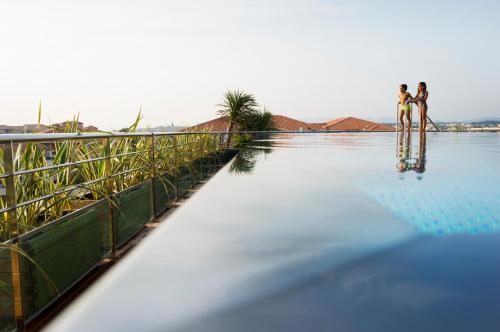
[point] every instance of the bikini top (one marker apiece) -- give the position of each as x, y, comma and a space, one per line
421, 95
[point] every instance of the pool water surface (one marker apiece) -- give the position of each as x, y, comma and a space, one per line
321, 232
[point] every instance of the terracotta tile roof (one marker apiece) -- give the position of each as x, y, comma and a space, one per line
334, 122
285, 123
355, 124
219, 124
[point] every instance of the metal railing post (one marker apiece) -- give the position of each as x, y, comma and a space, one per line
428, 118
410, 125
152, 157
219, 149
109, 193
190, 147
13, 228
199, 153
177, 165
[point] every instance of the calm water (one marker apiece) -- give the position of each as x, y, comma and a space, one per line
321, 232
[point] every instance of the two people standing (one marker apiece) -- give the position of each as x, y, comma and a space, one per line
405, 100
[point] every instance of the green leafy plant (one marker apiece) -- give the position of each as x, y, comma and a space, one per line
240, 140
71, 172
258, 121
236, 106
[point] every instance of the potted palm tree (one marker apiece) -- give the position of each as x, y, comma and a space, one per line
236, 106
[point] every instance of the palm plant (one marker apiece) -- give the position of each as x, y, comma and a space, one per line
235, 107
258, 121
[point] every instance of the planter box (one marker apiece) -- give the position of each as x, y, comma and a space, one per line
132, 211
184, 178
165, 188
196, 170
66, 250
201, 167
209, 165
7, 314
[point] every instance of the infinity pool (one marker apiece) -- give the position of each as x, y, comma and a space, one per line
321, 232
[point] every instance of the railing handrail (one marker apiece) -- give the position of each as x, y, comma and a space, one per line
33, 137
40, 137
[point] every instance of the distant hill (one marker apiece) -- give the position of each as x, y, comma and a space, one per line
485, 119
489, 123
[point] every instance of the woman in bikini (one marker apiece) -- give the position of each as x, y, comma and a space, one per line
421, 100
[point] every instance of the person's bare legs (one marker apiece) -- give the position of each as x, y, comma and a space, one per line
421, 126
424, 109
408, 119
401, 119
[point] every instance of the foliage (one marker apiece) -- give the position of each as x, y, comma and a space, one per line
240, 140
99, 167
258, 121
236, 106
240, 109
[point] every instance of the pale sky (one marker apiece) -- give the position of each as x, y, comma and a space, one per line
311, 60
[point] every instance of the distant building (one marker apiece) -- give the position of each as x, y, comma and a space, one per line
23, 129
61, 127
72, 124
35, 128
91, 128
285, 123
6, 129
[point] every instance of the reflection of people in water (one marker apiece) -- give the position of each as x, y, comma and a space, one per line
420, 164
404, 151
406, 161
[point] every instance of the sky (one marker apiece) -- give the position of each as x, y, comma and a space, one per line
311, 60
